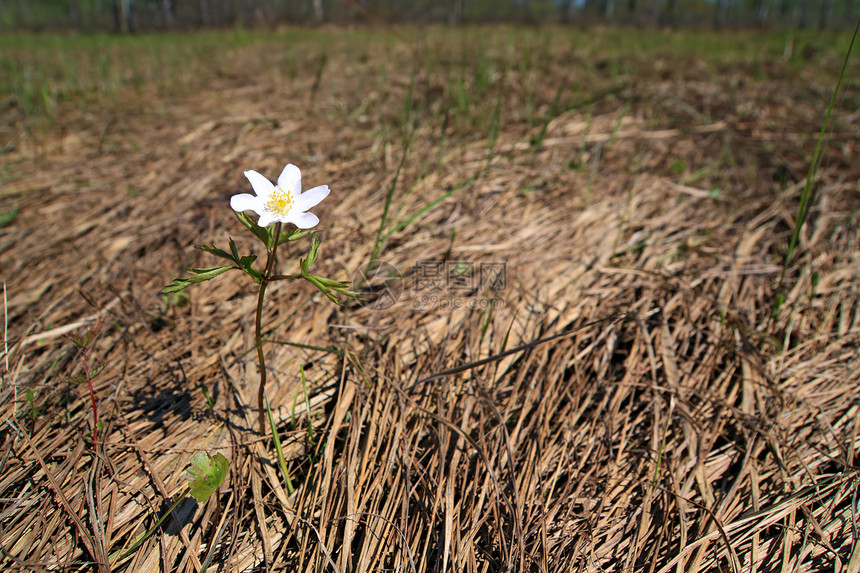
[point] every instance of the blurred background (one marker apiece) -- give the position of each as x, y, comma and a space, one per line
125, 16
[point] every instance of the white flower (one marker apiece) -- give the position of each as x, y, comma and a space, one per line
283, 203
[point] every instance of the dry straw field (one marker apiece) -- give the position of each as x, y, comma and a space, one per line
622, 397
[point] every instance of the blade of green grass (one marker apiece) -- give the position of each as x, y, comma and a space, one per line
807, 197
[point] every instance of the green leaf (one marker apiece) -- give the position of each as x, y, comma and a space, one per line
207, 273
293, 235
259, 232
331, 283
213, 250
6, 217
256, 275
247, 265
244, 263
175, 300
346, 292
312, 252
83, 378
314, 280
778, 301
234, 250
207, 473
209, 402
200, 275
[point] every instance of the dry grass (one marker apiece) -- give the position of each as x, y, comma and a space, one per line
628, 404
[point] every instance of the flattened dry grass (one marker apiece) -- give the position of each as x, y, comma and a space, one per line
628, 402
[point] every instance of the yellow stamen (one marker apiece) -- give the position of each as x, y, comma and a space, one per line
280, 202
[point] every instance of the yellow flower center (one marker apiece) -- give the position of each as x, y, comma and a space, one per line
280, 202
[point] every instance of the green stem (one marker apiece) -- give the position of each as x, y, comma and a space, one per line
258, 327
145, 535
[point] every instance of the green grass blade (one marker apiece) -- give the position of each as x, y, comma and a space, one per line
807, 197
282, 462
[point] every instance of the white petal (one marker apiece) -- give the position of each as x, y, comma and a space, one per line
246, 202
304, 220
291, 179
311, 197
262, 186
266, 219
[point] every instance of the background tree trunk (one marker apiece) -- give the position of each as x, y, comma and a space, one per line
667, 16
455, 14
122, 15
824, 14
205, 17
760, 13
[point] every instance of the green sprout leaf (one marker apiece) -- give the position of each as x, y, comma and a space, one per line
174, 300
213, 250
246, 264
312, 252
31, 402
778, 301
82, 378
234, 250
327, 285
312, 255
200, 275
259, 232
207, 473
210, 403
6, 217
242, 263
293, 235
